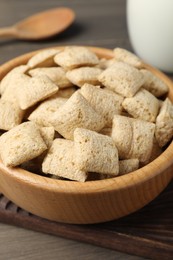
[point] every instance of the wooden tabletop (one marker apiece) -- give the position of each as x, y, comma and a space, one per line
98, 23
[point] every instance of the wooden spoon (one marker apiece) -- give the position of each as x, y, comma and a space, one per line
41, 25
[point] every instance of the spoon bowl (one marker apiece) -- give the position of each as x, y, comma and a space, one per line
41, 25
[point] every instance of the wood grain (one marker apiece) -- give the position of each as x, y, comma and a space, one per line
18, 243
147, 233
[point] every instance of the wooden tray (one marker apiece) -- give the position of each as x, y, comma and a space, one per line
147, 233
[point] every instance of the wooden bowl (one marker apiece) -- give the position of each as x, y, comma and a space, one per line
92, 201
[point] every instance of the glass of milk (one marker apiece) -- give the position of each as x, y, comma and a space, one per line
150, 27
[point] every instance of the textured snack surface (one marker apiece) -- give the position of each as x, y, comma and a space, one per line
105, 102
21, 143
72, 114
95, 152
164, 123
76, 112
122, 78
60, 161
76, 56
143, 105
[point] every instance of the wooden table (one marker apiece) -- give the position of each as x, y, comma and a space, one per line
100, 23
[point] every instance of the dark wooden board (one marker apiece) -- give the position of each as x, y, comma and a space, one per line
147, 233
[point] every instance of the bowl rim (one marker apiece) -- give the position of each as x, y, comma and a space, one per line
149, 171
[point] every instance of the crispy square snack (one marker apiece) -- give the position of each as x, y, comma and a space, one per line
104, 101
44, 58
142, 131
122, 134
127, 57
35, 165
56, 74
10, 115
47, 133
75, 56
76, 112
35, 89
60, 161
130, 137
84, 75
122, 78
164, 123
20, 144
143, 105
42, 114
153, 84
10, 77
17, 82
95, 152
129, 165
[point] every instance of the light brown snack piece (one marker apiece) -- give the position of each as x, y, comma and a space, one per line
42, 114
35, 165
60, 161
130, 137
76, 56
47, 133
95, 152
76, 112
143, 105
44, 58
10, 77
34, 90
122, 78
122, 134
84, 75
20, 144
154, 84
142, 131
10, 115
127, 57
164, 123
56, 74
17, 83
104, 101
129, 165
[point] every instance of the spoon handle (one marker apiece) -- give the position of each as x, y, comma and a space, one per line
8, 31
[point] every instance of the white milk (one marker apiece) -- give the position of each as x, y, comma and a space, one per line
150, 26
